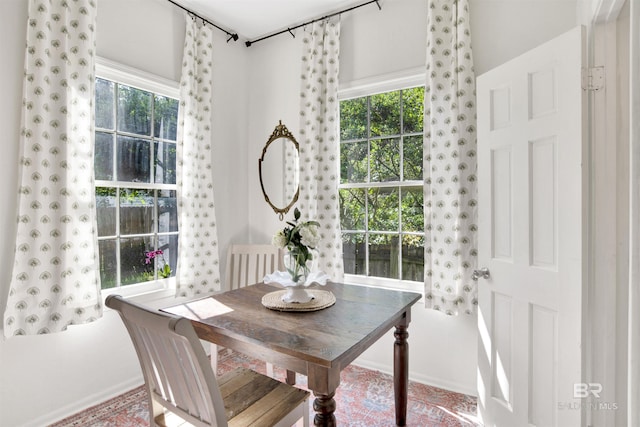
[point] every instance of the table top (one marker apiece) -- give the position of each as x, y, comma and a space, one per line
332, 337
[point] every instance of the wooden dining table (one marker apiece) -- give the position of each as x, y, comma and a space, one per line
318, 344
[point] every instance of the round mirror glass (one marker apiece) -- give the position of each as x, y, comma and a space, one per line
278, 167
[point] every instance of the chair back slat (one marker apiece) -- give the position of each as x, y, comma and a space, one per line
248, 264
173, 363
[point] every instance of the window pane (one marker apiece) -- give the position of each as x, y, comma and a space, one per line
133, 159
353, 119
106, 211
385, 114
136, 211
103, 158
385, 160
165, 162
167, 211
133, 268
382, 154
383, 209
412, 157
383, 256
165, 117
353, 161
169, 247
412, 209
108, 263
352, 208
134, 110
104, 104
354, 253
413, 258
413, 109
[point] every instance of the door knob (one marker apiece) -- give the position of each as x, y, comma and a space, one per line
483, 272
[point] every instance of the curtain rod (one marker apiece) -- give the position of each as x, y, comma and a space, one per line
233, 36
288, 30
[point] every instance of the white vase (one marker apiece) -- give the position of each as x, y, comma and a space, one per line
297, 294
300, 271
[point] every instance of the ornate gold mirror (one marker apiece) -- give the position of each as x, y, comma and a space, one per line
278, 167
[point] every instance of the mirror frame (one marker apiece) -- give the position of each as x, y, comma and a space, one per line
280, 131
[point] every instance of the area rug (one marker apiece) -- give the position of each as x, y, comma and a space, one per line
363, 399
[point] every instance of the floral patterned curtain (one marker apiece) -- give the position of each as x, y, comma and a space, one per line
55, 281
198, 269
319, 139
450, 160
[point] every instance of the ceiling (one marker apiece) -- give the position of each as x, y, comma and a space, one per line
252, 19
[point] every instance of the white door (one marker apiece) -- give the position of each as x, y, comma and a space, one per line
531, 203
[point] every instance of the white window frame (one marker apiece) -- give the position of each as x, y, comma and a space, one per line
372, 86
133, 77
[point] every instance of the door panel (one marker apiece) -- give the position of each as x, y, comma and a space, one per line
530, 189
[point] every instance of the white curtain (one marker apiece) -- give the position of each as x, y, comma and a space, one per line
450, 160
55, 281
319, 141
198, 270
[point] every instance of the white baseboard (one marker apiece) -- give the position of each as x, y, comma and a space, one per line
85, 403
422, 379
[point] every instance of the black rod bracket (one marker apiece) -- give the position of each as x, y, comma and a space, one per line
289, 30
232, 36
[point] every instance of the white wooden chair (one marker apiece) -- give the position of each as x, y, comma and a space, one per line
246, 265
182, 387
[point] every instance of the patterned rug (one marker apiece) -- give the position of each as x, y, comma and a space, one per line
363, 399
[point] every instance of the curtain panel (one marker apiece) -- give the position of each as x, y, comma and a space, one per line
55, 278
319, 141
198, 270
450, 160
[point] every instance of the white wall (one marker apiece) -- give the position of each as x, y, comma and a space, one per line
273, 87
374, 44
504, 29
45, 378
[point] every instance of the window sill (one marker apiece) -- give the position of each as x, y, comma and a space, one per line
380, 282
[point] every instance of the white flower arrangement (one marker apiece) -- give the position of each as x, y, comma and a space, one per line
299, 239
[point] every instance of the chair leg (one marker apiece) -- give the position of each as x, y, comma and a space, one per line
270, 370
214, 359
290, 377
305, 414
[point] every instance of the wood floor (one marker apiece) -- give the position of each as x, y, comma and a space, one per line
364, 399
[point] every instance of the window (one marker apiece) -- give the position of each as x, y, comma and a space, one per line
381, 187
135, 172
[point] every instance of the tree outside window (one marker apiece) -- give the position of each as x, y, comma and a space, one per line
381, 187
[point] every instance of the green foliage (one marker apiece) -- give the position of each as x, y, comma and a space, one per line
299, 239
413, 109
165, 271
165, 117
353, 119
385, 114
381, 143
134, 110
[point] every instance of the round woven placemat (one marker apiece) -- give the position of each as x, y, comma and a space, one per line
321, 299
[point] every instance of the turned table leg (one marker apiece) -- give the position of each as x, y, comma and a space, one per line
401, 373
325, 406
